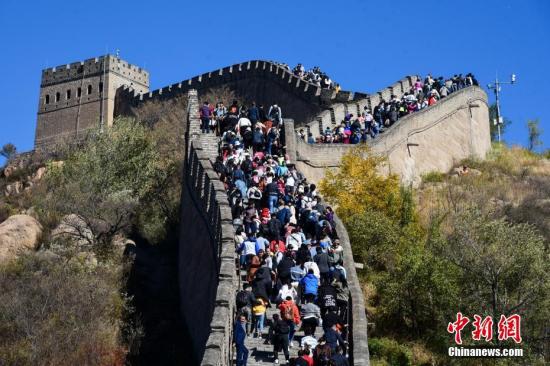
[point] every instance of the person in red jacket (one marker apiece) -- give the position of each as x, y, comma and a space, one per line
290, 314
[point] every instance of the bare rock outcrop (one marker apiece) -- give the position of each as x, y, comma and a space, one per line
18, 233
75, 228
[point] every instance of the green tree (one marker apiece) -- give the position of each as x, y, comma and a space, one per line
493, 128
112, 181
417, 293
504, 266
534, 134
8, 151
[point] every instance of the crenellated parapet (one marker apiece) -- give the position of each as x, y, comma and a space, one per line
79, 97
353, 103
262, 81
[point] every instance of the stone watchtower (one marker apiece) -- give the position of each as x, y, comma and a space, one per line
80, 96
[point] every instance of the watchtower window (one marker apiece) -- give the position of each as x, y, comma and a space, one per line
78, 92
47, 100
89, 89
101, 87
57, 97
68, 94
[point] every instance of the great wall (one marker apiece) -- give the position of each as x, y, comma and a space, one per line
433, 139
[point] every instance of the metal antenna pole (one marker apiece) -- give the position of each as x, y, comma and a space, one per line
496, 89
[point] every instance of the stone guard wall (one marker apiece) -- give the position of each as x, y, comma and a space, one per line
207, 272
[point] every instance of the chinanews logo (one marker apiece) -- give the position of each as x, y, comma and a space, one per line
508, 328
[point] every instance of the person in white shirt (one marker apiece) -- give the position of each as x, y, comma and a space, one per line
243, 123
310, 264
287, 290
294, 240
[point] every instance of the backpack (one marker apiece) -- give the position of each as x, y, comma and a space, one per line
242, 299
288, 313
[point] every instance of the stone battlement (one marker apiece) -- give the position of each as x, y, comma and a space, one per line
208, 277
336, 112
305, 102
91, 66
79, 97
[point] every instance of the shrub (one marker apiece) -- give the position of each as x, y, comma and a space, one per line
433, 177
390, 351
357, 185
55, 311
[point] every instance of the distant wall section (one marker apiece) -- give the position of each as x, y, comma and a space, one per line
434, 139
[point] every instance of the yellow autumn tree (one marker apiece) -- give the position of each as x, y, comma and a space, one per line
358, 186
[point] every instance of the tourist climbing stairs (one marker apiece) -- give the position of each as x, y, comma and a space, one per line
260, 349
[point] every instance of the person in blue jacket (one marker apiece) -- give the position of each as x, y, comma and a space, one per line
239, 338
310, 284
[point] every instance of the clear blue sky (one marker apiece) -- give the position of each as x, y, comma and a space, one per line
363, 45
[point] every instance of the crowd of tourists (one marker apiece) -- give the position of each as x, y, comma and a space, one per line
424, 93
314, 75
285, 239
250, 123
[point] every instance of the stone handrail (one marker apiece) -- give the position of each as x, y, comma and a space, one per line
359, 344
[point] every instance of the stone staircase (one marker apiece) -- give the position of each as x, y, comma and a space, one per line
261, 352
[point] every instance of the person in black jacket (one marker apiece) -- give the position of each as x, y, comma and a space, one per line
244, 300
258, 139
323, 262
275, 227
279, 337
262, 115
327, 298
338, 359
272, 193
261, 285
284, 266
